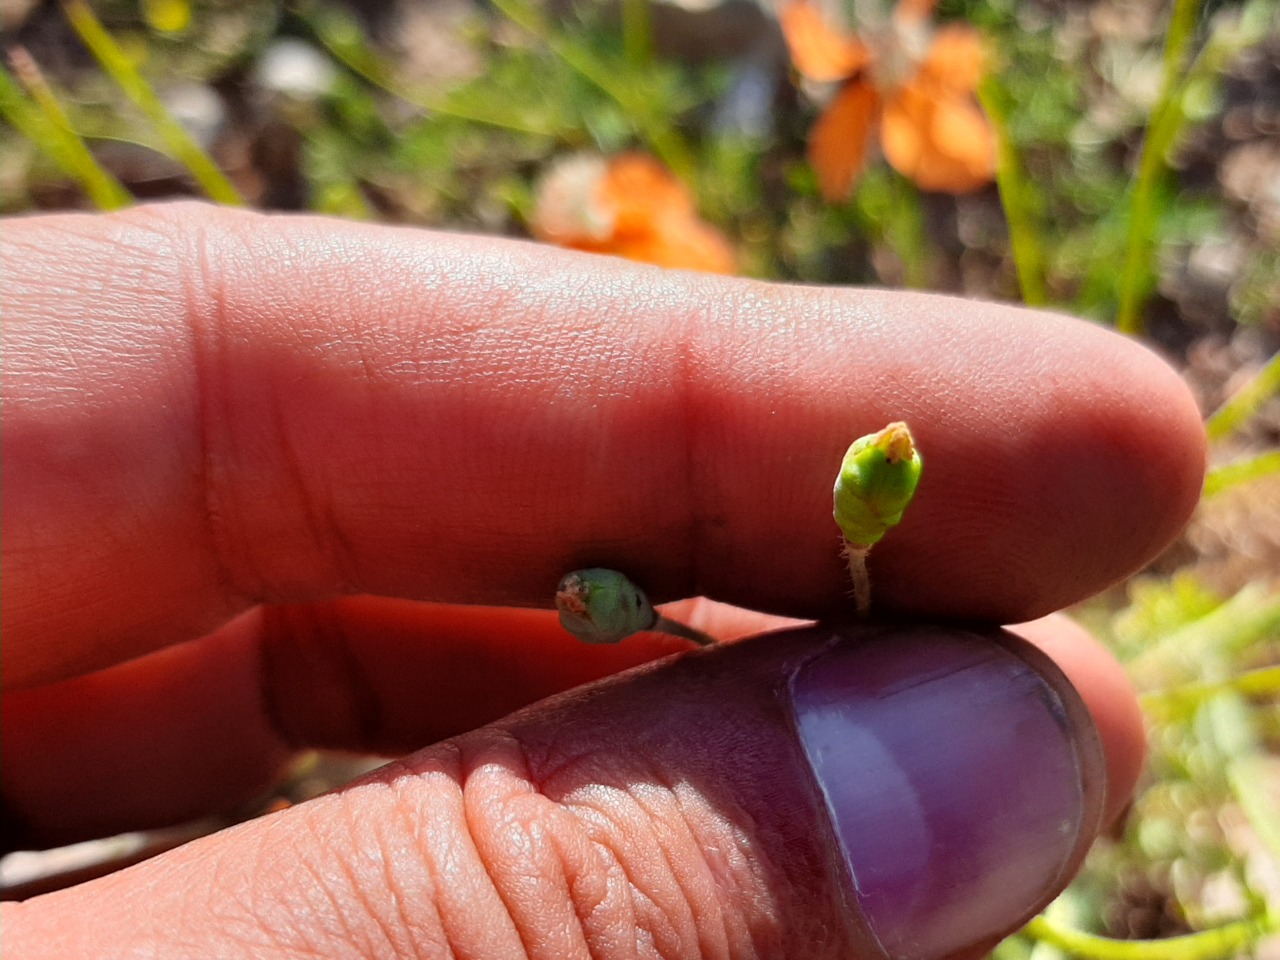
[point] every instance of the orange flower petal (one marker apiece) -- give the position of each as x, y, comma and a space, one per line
943, 143
681, 245
628, 206
962, 133
838, 141
955, 59
640, 191
902, 129
819, 52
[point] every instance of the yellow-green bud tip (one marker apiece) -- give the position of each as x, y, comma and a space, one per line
877, 480
896, 442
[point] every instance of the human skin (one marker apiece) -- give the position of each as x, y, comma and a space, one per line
235, 447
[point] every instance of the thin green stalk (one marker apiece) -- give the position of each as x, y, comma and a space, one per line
889, 213
1017, 200
1264, 682
1241, 471
637, 33
345, 43
1151, 165
1249, 26
1222, 942
1232, 734
907, 230
670, 147
1250, 616
1245, 401
666, 142
121, 69
43, 121
1251, 779
1232, 33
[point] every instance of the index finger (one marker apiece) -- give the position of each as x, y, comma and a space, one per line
209, 409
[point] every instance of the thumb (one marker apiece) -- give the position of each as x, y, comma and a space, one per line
859, 791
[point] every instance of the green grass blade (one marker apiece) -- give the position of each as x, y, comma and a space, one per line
637, 32
1241, 471
1220, 942
1250, 780
339, 35
43, 121
1263, 682
1017, 198
121, 69
1250, 616
889, 213
1245, 401
651, 125
1163, 128
1234, 736
1233, 32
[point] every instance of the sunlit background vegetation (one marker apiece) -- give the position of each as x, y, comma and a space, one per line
1135, 181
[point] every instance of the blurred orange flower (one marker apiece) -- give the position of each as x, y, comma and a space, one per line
629, 206
916, 83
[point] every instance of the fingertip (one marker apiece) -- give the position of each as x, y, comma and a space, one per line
1107, 692
1175, 452
1083, 464
1140, 422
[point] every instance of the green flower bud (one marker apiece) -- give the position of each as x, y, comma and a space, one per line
602, 606
877, 480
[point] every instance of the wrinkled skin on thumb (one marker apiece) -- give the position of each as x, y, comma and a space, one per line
762, 798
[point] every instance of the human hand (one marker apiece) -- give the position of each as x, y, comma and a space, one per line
221, 427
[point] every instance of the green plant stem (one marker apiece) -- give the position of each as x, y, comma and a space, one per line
121, 69
44, 122
346, 45
652, 126
1233, 742
889, 212
1247, 27
1241, 471
860, 577
907, 231
1252, 615
1221, 942
1251, 780
1263, 682
685, 632
1161, 131
1245, 401
637, 32
1016, 196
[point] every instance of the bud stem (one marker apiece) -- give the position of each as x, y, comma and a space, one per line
857, 557
677, 629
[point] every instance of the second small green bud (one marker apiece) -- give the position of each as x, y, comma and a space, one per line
877, 480
602, 606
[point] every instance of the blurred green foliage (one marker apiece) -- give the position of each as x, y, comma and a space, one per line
463, 150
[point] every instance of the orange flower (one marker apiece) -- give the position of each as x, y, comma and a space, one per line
917, 84
629, 206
